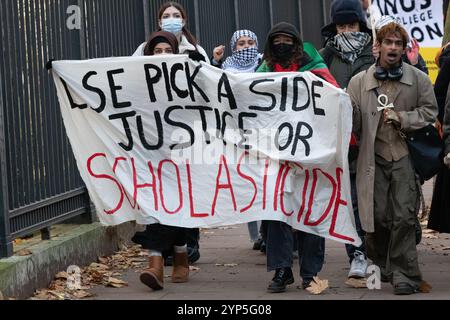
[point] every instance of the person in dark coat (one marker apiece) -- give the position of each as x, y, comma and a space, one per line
347, 52
439, 218
162, 240
286, 52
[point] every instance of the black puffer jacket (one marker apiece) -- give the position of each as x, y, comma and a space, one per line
442, 82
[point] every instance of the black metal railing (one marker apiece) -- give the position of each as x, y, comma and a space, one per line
40, 183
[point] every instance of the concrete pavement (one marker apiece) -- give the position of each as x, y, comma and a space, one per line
230, 270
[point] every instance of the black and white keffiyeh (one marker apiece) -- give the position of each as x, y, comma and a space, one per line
350, 45
245, 60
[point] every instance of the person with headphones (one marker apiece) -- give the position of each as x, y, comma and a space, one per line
389, 99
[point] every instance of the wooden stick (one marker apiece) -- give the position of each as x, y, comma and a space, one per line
372, 22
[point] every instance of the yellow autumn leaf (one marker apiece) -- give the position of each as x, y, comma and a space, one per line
317, 286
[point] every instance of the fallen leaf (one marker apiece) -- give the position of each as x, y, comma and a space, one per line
317, 286
193, 268
41, 295
226, 264
425, 287
103, 260
18, 241
116, 283
445, 248
356, 283
59, 295
24, 252
95, 277
62, 275
95, 265
226, 228
138, 260
81, 294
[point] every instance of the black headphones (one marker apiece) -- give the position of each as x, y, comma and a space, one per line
393, 74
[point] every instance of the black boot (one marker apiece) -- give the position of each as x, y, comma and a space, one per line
282, 278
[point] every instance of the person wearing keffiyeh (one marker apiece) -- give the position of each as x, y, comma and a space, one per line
347, 52
245, 56
348, 45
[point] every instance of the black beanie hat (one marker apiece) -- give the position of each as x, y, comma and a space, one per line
284, 28
344, 12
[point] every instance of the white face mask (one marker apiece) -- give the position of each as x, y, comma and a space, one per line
172, 25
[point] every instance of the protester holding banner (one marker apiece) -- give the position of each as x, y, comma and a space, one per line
173, 18
160, 239
388, 99
348, 51
284, 52
244, 58
439, 218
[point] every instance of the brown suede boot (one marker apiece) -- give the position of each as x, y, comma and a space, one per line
180, 271
153, 277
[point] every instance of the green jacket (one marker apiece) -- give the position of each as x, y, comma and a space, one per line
312, 61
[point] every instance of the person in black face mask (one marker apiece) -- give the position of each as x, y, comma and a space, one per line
285, 52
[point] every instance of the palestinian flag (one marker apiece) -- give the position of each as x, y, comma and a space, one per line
316, 65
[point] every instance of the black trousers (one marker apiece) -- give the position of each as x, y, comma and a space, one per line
161, 238
193, 237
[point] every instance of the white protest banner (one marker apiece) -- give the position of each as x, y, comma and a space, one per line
165, 139
424, 21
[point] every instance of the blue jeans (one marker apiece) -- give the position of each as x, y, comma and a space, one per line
351, 248
253, 230
280, 244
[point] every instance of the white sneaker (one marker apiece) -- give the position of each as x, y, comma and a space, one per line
359, 266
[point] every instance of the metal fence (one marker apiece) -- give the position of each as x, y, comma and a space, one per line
40, 184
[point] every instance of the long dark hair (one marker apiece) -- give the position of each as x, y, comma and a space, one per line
272, 60
192, 40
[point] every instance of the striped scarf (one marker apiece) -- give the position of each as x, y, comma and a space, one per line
350, 45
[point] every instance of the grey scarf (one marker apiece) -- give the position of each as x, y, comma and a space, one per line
350, 45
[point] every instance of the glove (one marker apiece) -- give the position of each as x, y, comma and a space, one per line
390, 116
447, 160
413, 52
48, 65
196, 56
